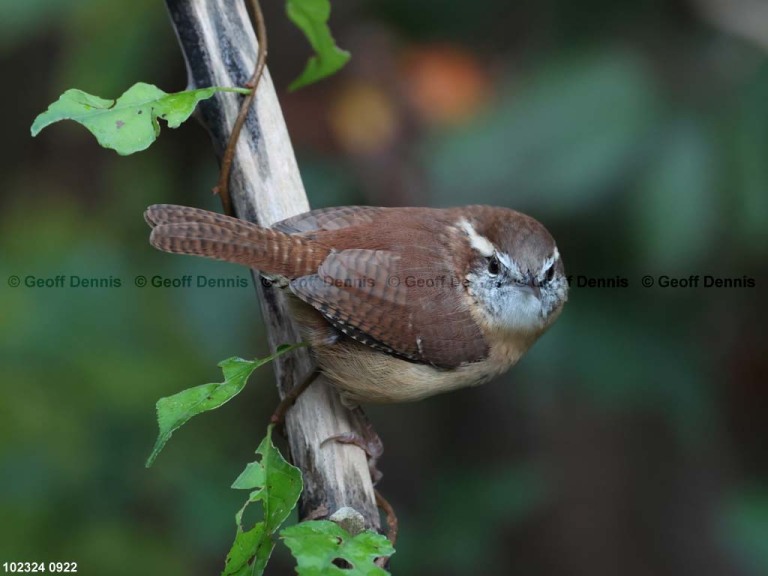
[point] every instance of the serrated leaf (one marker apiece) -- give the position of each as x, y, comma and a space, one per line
277, 485
317, 543
273, 481
174, 411
130, 123
311, 16
249, 553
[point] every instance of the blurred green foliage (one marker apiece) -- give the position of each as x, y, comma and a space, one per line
568, 134
745, 526
630, 440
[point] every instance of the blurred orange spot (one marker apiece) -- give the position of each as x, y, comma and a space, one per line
363, 118
445, 84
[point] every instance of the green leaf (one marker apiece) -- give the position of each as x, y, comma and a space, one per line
317, 543
273, 481
311, 16
130, 123
249, 552
277, 485
174, 411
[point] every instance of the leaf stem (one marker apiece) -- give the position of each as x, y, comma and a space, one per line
235, 89
222, 188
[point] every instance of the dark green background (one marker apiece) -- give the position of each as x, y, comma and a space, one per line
632, 438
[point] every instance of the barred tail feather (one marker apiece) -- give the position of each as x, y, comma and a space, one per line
184, 230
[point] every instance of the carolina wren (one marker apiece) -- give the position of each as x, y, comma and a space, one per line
397, 303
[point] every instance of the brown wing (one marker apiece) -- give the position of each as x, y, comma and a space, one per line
329, 219
393, 288
397, 292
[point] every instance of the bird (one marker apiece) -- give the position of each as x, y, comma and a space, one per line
397, 303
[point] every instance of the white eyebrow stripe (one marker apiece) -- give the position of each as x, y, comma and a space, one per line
510, 264
478, 242
551, 260
506, 260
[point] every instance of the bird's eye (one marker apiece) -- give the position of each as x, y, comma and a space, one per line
493, 266
550, 273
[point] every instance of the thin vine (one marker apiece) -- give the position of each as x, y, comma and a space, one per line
222, 187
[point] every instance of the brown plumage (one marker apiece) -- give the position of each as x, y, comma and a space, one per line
389, 284
184, 230
364, 291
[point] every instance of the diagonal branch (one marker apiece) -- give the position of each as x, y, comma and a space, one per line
265, 186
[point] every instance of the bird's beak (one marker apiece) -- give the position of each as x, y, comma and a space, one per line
532, 289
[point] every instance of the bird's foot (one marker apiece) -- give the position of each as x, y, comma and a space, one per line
368, 441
